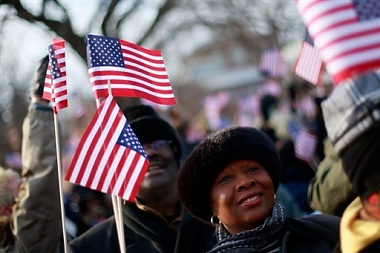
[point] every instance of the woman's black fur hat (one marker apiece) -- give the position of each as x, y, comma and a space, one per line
213, 154
149, 126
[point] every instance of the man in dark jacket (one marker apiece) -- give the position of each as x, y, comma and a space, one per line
156, 221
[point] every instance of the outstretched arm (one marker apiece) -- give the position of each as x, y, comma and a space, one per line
37, 216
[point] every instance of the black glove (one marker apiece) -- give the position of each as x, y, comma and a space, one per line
37, 86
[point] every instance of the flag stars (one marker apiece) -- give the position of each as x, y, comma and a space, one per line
104, 52
368, 9
55, 70
128, 139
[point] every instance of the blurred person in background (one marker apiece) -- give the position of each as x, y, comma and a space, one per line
9, 187
36, 217
330, 191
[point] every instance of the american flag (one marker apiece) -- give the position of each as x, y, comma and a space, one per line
55, 88
132, 70
346, 33
109, 157
273, 63
309, 63
304, 145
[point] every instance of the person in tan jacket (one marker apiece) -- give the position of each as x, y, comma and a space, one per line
330, 191
36, 216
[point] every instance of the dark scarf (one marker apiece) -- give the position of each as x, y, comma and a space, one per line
253, 240
150, 227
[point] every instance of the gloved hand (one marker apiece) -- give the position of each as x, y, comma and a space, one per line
37, 87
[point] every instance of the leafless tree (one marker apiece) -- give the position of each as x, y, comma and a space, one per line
175, 26
258, 23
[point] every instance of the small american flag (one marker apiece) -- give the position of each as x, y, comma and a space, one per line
273, 63
309, 63
109, 157
55, 89
304, 145
346, 33
132, 70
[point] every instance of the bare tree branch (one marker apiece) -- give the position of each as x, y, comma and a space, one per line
169, 4
123, 17
105, 24
63, 29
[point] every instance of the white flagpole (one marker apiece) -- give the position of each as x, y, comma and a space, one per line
59, 164
116, 202
118, 220
120, 212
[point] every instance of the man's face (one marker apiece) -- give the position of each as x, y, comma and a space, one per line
163, 169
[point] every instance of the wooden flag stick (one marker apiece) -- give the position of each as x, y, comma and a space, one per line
117, 207
119, 221
59, 164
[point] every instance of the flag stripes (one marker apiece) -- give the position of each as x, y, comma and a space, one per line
309, 63
346, 33
102, 162
271, 61
132, 70
55, 87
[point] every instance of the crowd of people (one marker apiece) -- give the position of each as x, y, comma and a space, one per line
239, 189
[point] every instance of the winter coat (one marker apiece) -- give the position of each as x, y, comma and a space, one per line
36, 218
310, 234
358, 235
146, 233
330, 190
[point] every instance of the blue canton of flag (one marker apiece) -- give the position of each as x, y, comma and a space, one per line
55, 71
128, 139
368, 9
308, 38
104, 51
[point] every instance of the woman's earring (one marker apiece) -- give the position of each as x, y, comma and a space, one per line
275, 196
214, 220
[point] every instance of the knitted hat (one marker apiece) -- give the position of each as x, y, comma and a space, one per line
213, 154
361, 161
149, 126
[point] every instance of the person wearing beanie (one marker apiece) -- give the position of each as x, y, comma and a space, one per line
352, 118
156, 221
230, 180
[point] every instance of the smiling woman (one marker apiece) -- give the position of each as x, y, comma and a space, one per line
231, 177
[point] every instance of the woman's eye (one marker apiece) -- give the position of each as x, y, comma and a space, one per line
224, 178
252, 169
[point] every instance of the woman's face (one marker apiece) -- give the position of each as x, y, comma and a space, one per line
242, 196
